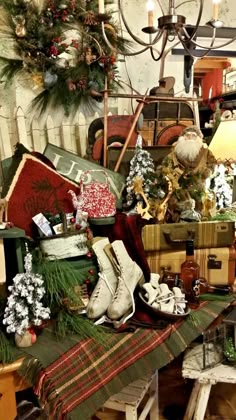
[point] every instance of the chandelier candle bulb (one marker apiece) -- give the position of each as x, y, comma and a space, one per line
101, 8
150, 8
216, 9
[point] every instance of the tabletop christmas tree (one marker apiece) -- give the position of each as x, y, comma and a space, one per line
24, 307
141, 166
221, 183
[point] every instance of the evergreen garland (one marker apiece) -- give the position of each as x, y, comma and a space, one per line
60, 45
70, 323
61, 281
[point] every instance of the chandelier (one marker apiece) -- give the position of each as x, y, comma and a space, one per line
172, 28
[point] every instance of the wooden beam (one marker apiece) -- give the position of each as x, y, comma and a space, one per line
198, 53
208, 65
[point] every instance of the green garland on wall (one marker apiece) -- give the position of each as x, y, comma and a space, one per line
60, 45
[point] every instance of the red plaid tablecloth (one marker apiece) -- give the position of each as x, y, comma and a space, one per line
73, 377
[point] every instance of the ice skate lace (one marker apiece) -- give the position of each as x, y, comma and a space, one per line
102, 279
165, 298
179, 308
121, 285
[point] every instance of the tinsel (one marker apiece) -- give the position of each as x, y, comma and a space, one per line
60, 46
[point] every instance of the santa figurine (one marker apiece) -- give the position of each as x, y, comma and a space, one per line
188, 165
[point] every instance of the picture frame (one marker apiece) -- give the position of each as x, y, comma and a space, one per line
230, 80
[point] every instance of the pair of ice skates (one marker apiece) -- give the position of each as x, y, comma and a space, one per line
119, 275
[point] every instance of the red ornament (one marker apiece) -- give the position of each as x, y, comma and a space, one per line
54, 50
87, 281
78, 227
72, 220
91, 271
89, 254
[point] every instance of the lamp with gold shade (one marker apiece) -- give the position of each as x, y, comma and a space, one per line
223, 144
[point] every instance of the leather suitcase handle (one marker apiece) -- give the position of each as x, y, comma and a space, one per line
170, 239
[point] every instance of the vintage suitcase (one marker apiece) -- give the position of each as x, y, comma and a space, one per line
166, 236
217, 265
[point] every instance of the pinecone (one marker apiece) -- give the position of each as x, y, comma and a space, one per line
90, 18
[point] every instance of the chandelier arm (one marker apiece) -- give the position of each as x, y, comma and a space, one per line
135, 38
211, 47
191, 52
181, 4
196, 26
105, 37
184, 41
162, 10
218, 46
171, 48
164, 42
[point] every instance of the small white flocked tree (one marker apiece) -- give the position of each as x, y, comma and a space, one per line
221, 183
24, 308
142, 166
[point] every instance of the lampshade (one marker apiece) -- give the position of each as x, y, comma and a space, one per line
223, 144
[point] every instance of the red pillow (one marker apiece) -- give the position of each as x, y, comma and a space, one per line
36, 188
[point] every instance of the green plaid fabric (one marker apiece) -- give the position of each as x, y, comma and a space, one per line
74, 377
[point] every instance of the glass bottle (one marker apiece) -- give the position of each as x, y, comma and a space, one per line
190, 276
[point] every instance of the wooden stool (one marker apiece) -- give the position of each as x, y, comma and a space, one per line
204, 380
130, 397
10, 383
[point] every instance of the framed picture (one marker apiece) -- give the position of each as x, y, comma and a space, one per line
230, 80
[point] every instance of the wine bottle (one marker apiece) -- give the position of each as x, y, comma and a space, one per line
190, 275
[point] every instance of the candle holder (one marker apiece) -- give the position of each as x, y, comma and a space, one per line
103, 17
150, 29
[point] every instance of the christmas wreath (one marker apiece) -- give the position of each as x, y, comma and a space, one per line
61, 45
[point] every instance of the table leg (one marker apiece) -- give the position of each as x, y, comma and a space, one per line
7, 397
192, 401
202, 401
131, 412
154, 412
